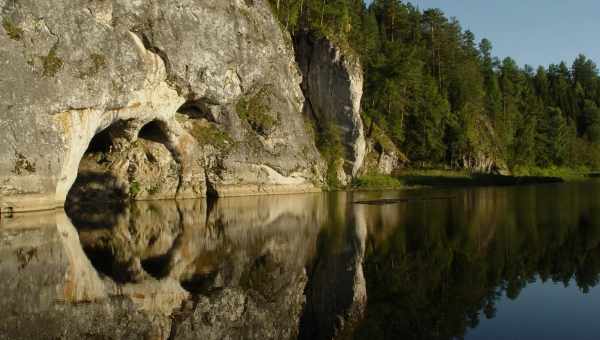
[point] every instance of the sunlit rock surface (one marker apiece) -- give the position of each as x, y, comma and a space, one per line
216, 79
333, 87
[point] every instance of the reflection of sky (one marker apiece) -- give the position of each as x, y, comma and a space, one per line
544, 311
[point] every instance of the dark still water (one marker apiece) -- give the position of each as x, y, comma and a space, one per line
477, 263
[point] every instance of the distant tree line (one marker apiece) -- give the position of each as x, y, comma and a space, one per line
445, 100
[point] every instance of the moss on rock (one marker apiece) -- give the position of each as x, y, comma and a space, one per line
210, 134
23, 165
255, 110
98, 62
12, 30
52, 63
134, 189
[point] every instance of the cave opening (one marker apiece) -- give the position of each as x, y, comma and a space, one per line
94, 185
154, 131
196, 110
200, 283
158, 266
101, 142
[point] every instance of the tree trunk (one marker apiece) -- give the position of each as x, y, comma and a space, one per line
323, 11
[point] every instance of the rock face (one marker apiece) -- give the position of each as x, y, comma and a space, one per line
489, 159
215, 80
333, 87
382, 157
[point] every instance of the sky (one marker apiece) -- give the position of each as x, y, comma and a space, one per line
534, 32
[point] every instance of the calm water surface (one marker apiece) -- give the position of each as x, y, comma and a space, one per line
476, 263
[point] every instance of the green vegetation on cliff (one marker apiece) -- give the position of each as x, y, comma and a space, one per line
255, 110
445, 100
330, 146
14, 32
52, 63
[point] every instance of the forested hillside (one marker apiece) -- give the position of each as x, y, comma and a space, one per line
445, 100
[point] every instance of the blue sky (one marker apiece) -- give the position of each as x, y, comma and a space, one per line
534, 32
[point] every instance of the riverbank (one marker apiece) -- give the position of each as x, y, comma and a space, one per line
411, 178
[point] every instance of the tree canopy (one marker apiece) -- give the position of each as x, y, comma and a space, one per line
445, 100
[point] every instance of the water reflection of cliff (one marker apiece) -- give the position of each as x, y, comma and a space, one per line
336, 293
234, 269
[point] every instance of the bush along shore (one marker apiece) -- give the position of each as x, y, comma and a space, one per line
411, 178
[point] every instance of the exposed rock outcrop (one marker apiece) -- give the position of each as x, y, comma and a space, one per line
333, 87
489, 158
71, 71
382, 156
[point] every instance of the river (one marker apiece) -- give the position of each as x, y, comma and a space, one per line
518, 262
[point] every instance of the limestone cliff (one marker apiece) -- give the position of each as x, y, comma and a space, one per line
382, 156
333, 87
160, 100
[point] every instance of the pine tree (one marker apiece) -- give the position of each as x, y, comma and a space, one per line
443, 98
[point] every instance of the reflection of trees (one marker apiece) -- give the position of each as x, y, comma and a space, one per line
442, 265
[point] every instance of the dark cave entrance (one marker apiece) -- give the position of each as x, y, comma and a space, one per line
196, 110
154, 131
95, 187
95, 181
101, 142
